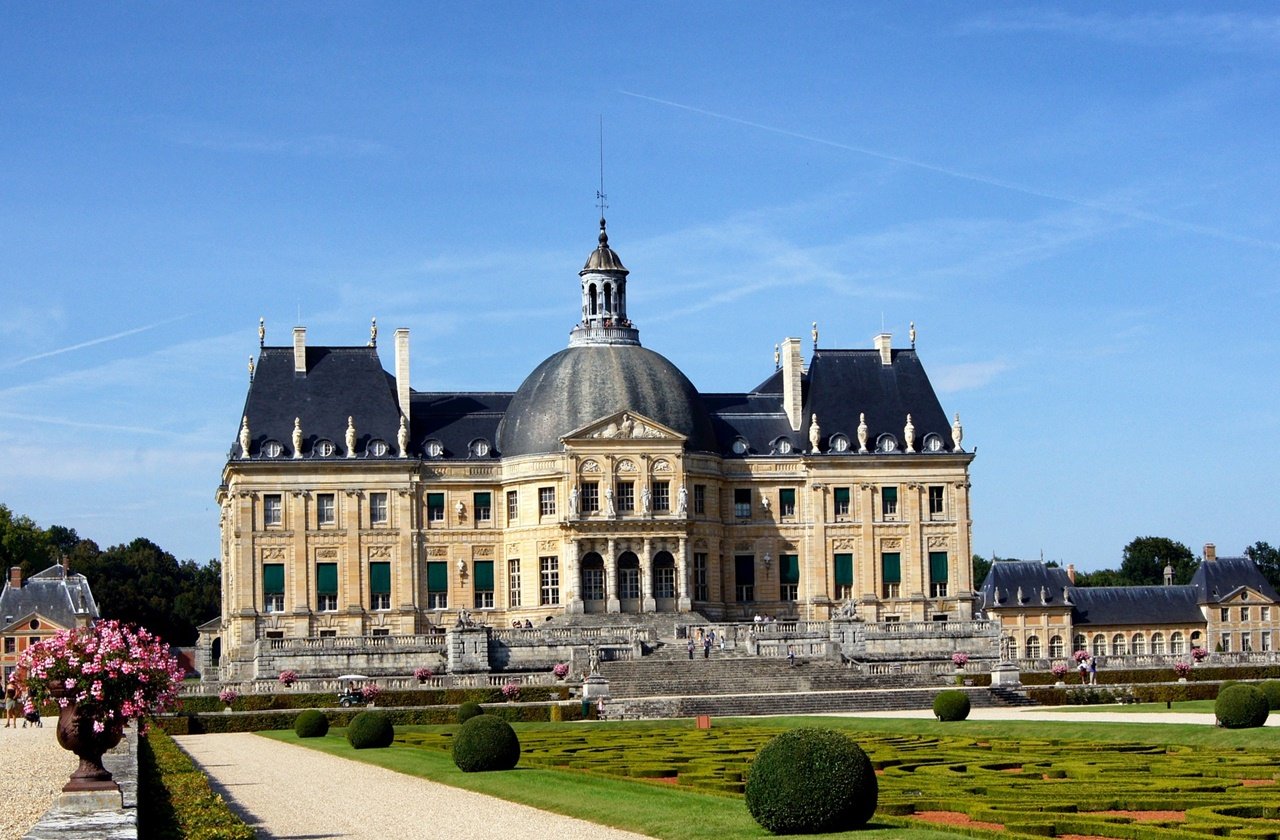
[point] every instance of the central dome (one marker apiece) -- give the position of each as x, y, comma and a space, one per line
585, 383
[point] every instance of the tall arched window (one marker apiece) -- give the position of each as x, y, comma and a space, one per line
1157, 643
591, 291
1033, 647
1176, 643
1099, 645
1139, 644
1055, 647
608, 299
1117, 645
1079, 642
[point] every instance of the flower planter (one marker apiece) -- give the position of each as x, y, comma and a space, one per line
76, 734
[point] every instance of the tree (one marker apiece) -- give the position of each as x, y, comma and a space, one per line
1101, 577
23, 544
981, 567
1146, 557
1267, 559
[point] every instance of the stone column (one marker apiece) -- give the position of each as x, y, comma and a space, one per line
647, 602
684, 602
612, 604
573, 573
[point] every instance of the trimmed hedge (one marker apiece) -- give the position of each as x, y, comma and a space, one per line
1199, 673
486, 742
1271, 690
370, 730
810, 780
951, 705
217, 722
175, 801
468, 710
409, 698
1241, 706
311, 724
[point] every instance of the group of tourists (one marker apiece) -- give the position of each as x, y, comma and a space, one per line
708, 642
15, 700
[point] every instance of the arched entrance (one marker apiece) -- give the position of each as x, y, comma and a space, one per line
664, 581
593, 582
629, 582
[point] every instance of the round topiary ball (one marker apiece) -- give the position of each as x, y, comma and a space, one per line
951, 705
370, 730
468, 710
810, 780
1271, 690
312, 723
1241, 706
485, 742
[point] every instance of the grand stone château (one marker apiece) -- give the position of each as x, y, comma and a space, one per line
353, 506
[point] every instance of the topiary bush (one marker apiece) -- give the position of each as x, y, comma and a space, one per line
1271, 690
370, 730
312, 723
485, 742
811, 780
951, 705
468, 710
1241, 706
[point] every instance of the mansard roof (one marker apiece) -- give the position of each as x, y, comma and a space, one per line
1128, 605
1216, 580
51, 594
1008, 577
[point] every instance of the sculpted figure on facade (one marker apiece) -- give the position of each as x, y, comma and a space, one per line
909, 434
646, 500
682, 502
244, 437
608, 502
815, 435
957, 434
573, 500
373, 332
297, 437
402, 438
862, 432
351, 437
628, 427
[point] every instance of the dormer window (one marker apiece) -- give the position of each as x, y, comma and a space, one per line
886, 443
378, 448
933, 442
324, 448
272, 449
479, 448
434, 448
839, 443
782, 446
740, 446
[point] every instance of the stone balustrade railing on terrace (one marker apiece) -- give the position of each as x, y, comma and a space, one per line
927, 629
418, 643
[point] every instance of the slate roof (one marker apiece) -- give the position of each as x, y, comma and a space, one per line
456, 419
61, 599
1216, 580
1000, 589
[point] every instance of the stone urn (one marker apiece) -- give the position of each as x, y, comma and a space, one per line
76, 734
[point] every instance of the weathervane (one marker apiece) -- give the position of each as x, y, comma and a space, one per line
600, 194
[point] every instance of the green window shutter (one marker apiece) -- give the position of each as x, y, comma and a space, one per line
484, 575
273, 578
790, 570
787, 496
380, 578
435, 500
482, 500
937, 567
890, 495
744, 569
326, 578
842, 495
437, 577
892, 562
844, 570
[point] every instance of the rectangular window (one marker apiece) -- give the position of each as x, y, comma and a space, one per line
742, 502
591, 497
629, 583
328, 634
700, 499
10, 644
890, 574
380, 631
378, 508
326, 507
789, 577
550, 570
937, 574
273, 634
1265, 637
842, 501
513, 582
664, 582
273, 587
1266, 613
1244, 613
701, 590
844, 577
936, 509
593, 584
1224, 614
1246, 642
271, 510
483, 575
626, 496
1226, 643
513, 506
435, 507
437, 586
326, 587
380, 586
787, 501
889, 502
744, 576
547, 501
662, 497
482, 504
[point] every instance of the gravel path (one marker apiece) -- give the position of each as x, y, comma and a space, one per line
287, 791
33, 769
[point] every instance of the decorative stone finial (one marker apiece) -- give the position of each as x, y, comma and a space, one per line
262, 331
862, 432
251, 368
815, 335
373, 332
244, 437
351, 437
815, 435
297, 437
957, 434
909, 434
777, 357
402, 438
912, 335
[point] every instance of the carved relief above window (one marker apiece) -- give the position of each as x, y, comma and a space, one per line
626, 466
661, 466
589, 466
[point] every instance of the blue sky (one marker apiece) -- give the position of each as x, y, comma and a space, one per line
1076, 204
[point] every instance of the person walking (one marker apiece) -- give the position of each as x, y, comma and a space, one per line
791, 655
691, 648
706, 648
1084, 671
1093, 671
11, 705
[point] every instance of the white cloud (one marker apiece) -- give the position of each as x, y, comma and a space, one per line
1219, 31
968, 376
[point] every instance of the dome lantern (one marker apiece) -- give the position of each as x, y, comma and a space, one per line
604, 299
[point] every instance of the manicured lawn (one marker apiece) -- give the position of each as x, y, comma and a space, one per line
1188, 706
670, 780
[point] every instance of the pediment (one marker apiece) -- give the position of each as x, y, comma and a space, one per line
1244, 596
624, 425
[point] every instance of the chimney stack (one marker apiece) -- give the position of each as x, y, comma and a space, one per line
402, 371
299, 351
792, 383
15, 577
1210, 552
883, 343
1071, 573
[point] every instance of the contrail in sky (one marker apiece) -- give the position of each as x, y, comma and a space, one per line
1136, 215
91, 342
